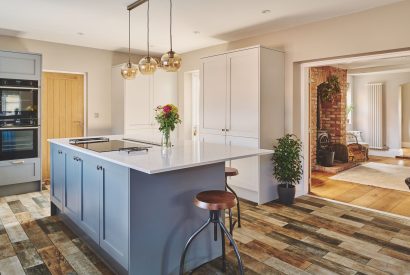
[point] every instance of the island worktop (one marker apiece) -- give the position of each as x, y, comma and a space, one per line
182, 155
136, 209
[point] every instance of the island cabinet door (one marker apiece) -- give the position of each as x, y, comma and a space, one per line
73, 183
57, 175
114, 223
90, 197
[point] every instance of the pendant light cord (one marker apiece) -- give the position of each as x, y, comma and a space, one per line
148, 29
170, 22
129, 36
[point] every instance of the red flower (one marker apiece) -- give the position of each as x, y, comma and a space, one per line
167, 109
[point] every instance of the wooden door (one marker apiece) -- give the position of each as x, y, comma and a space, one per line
213, 95
243, 94
62, 111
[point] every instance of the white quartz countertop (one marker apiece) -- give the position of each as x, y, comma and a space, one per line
182, 155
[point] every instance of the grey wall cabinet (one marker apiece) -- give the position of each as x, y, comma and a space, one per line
20, 65
94, 194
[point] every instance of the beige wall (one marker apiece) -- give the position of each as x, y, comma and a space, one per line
377, 30
95, 63
405, 101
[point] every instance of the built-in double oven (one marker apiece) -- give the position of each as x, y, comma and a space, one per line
19, 119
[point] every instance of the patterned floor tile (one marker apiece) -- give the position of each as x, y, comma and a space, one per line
11, 266
312, 236
17, 206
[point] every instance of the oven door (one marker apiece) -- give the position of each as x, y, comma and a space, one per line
18, 143
18, 106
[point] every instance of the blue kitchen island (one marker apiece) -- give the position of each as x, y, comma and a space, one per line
135, 208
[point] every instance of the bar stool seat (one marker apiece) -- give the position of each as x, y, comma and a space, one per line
215, 201
231, 172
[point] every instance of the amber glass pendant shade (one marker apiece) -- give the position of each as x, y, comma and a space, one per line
147, 65
129, 71
171, 61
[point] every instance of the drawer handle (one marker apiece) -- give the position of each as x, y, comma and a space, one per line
99, 167
18, 162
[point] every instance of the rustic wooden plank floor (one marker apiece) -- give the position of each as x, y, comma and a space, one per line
388, 200
313, 236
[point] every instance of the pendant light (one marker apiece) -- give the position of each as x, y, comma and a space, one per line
170, 61
148, 64
129, 70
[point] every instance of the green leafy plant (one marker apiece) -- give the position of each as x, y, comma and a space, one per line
349, 108
328, 89
287, 160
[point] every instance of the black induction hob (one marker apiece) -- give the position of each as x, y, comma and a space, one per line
112, 145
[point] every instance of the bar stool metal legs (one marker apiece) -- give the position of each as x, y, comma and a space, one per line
215, 218
237, 203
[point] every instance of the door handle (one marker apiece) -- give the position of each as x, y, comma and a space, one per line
18, 162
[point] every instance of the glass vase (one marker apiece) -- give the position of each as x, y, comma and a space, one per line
166, 139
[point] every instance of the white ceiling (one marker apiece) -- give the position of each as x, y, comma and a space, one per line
104, 23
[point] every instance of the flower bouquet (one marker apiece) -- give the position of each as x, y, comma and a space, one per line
167, 117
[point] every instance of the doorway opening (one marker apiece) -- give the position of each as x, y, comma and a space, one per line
191, 106
62, 111
355, 138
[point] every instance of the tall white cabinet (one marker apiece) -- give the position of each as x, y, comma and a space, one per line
134, 101
242, 103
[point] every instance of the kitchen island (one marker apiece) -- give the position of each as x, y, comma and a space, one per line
135, 208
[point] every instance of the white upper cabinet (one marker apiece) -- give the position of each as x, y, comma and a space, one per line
213, 95
138, 103
243, 93
242, 104
134, 101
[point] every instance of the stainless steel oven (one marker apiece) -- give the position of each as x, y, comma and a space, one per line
18, 103
18, 143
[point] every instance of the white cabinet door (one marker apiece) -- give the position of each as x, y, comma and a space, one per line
213, 95
165, 88
138, 103
243, 93
209, 138
248, 168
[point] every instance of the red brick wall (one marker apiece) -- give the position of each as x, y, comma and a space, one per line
332, 114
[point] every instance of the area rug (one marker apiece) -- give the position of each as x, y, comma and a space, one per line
377, 174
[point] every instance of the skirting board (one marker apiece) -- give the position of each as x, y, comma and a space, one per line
405, 144
386, 153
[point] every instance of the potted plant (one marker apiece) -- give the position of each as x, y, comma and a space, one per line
287, 166
167, 117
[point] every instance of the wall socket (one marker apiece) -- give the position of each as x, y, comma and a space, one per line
96, 115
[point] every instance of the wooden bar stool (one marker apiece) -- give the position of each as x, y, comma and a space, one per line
231, 172
215, 201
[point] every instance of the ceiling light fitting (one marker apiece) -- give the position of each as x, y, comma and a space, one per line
129, 70
169, 62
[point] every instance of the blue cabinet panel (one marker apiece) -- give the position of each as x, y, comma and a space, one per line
90, 197
73, 184
114, 235
57, 175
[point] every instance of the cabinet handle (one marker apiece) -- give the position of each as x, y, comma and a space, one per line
223, 130
75, 158
60, 152
99, 167
226, 130
18, 162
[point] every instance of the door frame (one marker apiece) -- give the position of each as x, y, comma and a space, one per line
305, 100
